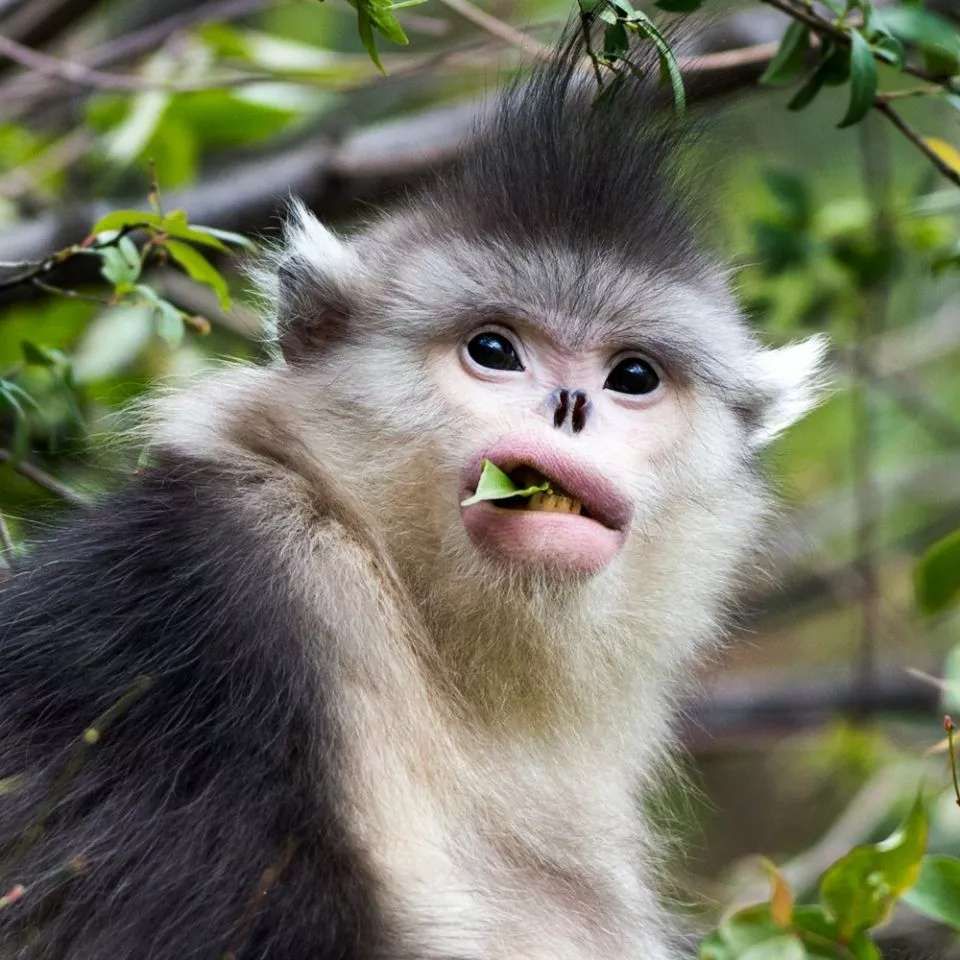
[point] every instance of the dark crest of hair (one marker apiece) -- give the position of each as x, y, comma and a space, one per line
561, 158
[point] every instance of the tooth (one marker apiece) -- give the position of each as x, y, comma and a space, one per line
535, 502
575, 506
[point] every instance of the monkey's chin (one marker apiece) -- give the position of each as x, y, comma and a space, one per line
561, 542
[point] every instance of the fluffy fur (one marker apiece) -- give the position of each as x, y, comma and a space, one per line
431, 755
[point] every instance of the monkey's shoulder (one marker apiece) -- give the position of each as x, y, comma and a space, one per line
167, 739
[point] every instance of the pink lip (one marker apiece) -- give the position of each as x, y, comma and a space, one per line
557, 540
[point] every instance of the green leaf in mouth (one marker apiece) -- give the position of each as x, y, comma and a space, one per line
494, 484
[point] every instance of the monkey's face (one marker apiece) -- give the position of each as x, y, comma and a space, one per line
583, 419
637, 394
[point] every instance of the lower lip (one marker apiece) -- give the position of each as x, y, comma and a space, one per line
536, 538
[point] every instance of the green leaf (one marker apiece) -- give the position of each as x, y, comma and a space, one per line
175, 224
933, 34
679, 6
637, 20
937, 890
861, 888
889, 49
227, 236
785, 947
863, 80
40, 356
615, 41
790, 57
200, 269
120, 265
169, 320
494, 484
377, 15
937, 576
120, 219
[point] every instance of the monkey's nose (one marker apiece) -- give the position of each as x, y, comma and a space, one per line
569, 407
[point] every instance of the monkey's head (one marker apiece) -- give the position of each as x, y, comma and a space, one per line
546, 306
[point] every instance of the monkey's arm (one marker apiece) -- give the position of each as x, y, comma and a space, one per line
218, 781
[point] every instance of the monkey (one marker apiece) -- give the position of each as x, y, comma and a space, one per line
284, 696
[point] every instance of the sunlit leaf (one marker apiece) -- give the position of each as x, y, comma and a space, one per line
121, 219
175, 224
861, 888
494, 484
120, 265
947, 152
227, 236
786, 947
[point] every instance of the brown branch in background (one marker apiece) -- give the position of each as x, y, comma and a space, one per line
73, 72
498, 28
39, 21
20, 94
951, 173
43, 479
66, 70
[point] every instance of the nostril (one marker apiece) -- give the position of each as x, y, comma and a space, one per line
561, 401
581, 405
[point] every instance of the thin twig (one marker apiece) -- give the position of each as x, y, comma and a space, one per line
43, 479
70, 71
949, 726
497, 28
948, 171
36, 270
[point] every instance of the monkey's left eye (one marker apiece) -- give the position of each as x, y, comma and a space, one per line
494, 351
633, 375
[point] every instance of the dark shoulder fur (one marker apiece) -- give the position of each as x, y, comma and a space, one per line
206, 821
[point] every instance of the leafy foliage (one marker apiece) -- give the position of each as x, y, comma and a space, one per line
857, 894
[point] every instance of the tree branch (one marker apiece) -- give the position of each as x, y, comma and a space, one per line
499, 29
826, 29
918, 141
43, 479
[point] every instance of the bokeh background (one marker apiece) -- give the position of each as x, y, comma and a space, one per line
812, 732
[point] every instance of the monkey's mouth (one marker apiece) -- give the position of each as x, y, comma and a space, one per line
577, 525
553, 500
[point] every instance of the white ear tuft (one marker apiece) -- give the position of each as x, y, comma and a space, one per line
308, 240
791, 380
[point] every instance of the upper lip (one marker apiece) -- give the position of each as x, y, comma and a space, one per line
600, 498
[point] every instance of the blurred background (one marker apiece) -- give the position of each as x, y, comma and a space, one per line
814, 730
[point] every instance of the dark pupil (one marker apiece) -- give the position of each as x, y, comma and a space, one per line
494, 351
633, 375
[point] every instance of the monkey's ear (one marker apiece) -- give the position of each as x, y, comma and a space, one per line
790, 382
315, 275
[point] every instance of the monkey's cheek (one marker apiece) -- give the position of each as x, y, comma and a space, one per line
563, 542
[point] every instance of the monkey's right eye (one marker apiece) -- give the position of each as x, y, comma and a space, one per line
494, 351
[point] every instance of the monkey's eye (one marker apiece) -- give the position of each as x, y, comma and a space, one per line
633, 375
493, 350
